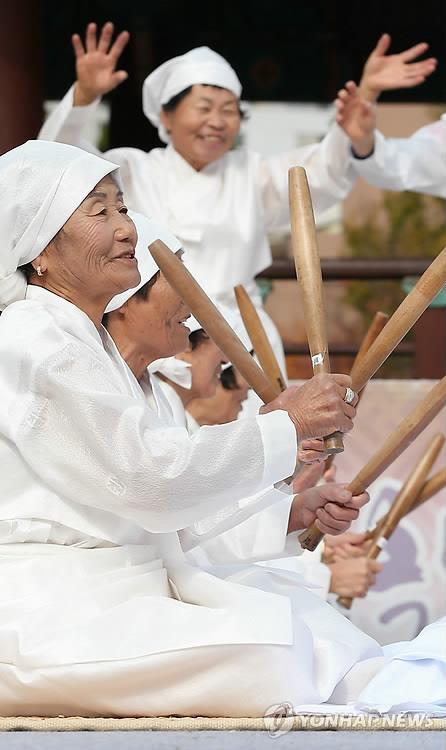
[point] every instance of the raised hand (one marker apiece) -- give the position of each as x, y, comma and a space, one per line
96, 62
383, 72
357, 118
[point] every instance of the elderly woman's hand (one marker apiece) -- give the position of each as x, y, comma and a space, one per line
317, 408
331, 506
354, 577
96, 63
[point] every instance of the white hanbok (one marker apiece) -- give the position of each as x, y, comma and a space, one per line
416, 163
221, 214
100, 613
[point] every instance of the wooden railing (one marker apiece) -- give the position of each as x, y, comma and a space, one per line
428, 346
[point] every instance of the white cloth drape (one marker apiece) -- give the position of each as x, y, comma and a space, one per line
416, 163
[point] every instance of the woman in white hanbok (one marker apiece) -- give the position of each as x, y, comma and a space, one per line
100, 612
194, 374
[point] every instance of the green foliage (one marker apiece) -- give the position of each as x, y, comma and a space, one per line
406, 225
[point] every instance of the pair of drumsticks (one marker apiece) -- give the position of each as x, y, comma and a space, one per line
309, 275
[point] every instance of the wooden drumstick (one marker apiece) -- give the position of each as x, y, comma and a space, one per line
429, 489
403, 435
401, 505
212, 320
259, 339
379, 321
308, 271
402, 320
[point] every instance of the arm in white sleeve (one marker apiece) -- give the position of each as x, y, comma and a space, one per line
66, 123
417, 163
260, 536
91, 442
329, 170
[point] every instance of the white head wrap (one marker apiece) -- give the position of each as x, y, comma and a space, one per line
148, 231
41, 185
177, 370
199, 65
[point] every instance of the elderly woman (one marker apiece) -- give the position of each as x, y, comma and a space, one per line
220, 202
100, 612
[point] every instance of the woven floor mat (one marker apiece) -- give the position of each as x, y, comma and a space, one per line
314, 722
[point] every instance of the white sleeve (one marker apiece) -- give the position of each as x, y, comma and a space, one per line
417, 163
92, 443
66, 123
329, 170
262, 536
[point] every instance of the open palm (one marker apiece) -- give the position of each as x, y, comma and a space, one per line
383, 72
96, 61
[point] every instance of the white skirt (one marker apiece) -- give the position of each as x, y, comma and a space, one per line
100, 632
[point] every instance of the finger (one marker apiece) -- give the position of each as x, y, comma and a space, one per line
349, 410
340, 512
105, 37
78, 47
357, 502
413, 52
314, 444
383, 45
342, 380
90, 38
119, 44
351, 88
375, 566
329, 520
119, 77
325, 528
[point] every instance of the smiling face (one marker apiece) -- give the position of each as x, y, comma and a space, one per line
93, 256
204, 124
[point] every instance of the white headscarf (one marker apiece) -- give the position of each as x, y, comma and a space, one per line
177, 370
148, 231
41, 185
199, 65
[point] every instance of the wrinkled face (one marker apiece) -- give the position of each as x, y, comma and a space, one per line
93, 255
157, 325
206, 361
204, 125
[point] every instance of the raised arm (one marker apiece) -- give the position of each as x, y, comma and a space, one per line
416, 163
96, 75
383, 72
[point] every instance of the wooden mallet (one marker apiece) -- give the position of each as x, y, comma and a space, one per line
402, 503
430, 488
402, 320
379, 321
258, 336
309, 276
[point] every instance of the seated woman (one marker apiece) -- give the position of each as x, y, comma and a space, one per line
100, 612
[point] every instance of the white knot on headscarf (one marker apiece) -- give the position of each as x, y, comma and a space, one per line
148, 230
41, 185
199, 65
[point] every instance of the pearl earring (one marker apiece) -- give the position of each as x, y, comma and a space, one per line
39, 271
